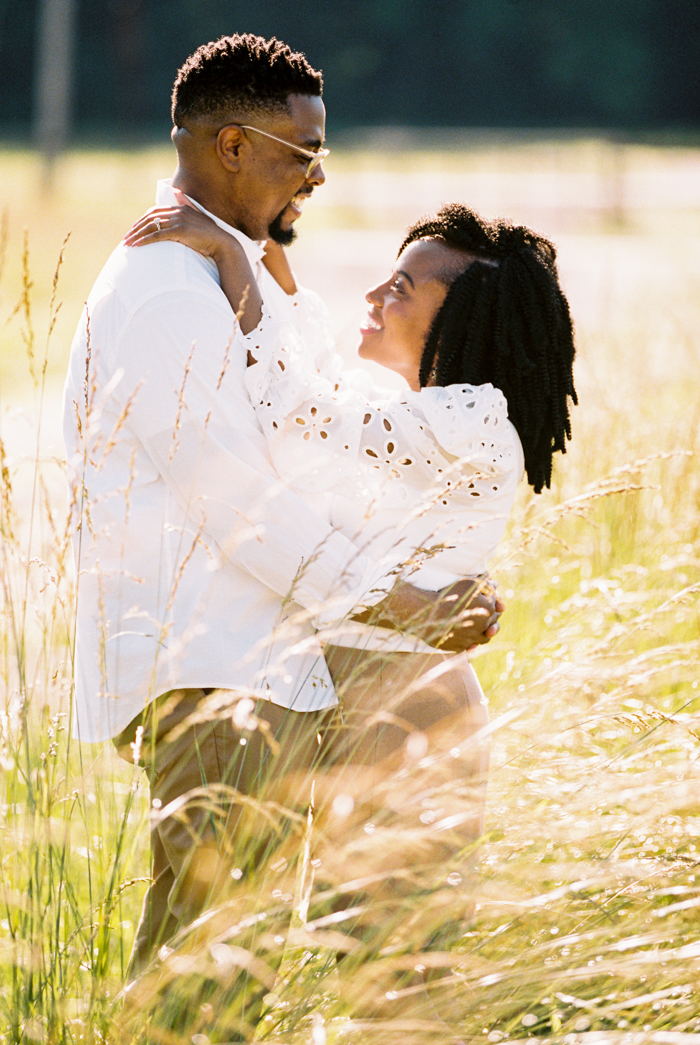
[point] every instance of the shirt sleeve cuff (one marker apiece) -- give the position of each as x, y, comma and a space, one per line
373, 588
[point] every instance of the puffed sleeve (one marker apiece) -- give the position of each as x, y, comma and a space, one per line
329, 430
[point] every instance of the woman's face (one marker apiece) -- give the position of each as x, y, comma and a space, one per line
404, 307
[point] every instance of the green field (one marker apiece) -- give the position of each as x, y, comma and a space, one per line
588, 879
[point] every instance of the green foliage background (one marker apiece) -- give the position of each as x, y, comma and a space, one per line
533, 63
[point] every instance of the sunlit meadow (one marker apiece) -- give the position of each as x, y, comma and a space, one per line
579, 923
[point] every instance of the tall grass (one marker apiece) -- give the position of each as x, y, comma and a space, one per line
578, 921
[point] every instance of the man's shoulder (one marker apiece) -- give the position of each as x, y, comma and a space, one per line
138, 275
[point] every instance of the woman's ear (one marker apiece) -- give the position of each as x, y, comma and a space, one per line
230, 143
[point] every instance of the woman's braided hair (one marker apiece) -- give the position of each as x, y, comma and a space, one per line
505, 320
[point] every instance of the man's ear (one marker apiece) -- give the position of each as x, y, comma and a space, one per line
230, 143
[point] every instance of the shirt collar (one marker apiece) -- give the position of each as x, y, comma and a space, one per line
165, 197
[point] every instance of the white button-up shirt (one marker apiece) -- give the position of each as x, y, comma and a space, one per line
195, 565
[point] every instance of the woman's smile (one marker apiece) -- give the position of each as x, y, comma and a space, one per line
371, 325
405, 305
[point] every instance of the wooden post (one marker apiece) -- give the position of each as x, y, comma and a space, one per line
56, 31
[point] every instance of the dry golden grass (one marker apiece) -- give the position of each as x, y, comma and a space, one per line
587, 884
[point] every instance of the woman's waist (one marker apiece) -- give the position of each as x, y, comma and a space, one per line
372, 637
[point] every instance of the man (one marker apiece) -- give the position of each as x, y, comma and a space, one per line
201, 578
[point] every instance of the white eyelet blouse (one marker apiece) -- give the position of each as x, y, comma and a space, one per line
423, 482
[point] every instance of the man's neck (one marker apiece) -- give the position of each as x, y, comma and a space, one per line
199, 190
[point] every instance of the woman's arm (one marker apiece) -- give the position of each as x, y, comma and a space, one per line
277, 264
189, 226
328, 428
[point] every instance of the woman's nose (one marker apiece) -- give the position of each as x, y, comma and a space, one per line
375, 296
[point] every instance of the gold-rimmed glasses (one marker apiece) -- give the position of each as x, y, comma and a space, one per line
314, 157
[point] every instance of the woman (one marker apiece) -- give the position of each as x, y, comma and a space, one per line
474, 319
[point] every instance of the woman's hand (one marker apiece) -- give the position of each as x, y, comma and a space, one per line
188, 225
184, 224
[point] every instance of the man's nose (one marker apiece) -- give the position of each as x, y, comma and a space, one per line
318, 175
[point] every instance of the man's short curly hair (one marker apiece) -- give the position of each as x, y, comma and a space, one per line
240, 75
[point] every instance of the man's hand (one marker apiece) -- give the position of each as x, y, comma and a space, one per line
455, 619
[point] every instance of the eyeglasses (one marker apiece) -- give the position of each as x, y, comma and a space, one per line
314, 157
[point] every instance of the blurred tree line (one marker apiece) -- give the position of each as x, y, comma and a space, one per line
511, 63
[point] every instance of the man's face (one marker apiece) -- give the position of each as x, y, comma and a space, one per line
274, 180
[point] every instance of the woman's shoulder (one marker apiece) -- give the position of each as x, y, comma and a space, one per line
463, 418
461, 397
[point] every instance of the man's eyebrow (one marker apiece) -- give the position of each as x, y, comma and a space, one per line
312, 144
402, 272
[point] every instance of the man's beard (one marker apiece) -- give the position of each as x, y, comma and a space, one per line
284, 237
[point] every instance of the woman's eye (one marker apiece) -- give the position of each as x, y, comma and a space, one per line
396, 285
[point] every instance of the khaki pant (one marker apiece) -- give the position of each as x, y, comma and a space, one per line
412, 756
388, 697
411, 723
208, 776
212, 760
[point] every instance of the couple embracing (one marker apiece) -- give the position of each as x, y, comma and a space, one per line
281, 566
